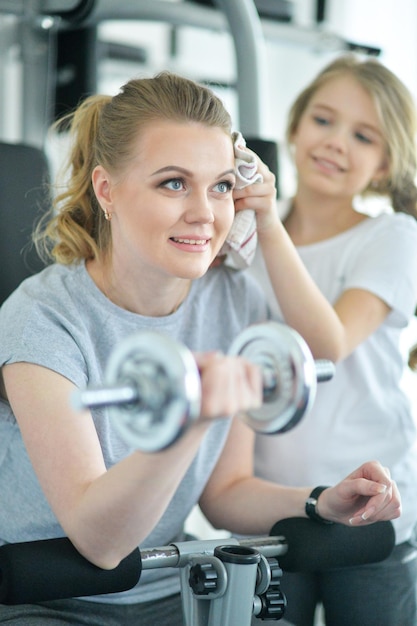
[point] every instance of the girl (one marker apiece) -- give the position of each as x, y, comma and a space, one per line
351, 132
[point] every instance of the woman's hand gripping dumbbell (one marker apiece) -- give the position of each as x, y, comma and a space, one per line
153, 392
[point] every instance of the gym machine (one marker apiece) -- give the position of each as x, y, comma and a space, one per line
223, 582
35, 26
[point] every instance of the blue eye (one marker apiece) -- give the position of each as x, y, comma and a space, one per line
176, 184
224, 186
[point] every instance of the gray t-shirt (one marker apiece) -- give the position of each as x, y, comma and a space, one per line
59, 319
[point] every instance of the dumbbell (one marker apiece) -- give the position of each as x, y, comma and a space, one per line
152, 386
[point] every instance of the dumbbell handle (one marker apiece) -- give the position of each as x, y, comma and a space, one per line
116, 395
104, 396
324, 370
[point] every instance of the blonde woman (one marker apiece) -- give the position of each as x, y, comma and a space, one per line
148, 206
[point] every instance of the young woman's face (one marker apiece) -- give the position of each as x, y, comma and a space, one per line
172, 208
339, 145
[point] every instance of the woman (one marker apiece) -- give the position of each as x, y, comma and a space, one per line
148, 205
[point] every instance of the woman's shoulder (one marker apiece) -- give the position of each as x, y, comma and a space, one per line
49, 282
239, 282
224, 288
55, 290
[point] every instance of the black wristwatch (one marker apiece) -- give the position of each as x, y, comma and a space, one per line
311, 504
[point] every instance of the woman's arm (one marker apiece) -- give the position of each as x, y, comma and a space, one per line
107, 513
237, 501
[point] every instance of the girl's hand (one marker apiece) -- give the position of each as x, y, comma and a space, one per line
229, 384
367, 495
261, 197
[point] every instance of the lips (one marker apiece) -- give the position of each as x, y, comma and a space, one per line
329, 165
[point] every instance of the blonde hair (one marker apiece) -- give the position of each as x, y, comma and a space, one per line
397, 114
103, 130
412, 358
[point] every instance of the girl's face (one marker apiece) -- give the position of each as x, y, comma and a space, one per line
339, 145
172, 208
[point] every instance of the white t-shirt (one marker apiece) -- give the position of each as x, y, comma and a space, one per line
362, 413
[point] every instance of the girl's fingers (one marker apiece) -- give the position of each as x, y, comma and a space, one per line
385, 505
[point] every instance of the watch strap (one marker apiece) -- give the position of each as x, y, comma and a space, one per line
311, 506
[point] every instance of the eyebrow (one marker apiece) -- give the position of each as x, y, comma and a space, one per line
177, 168
362, 124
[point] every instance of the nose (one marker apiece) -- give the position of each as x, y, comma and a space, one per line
198, 208
337, 139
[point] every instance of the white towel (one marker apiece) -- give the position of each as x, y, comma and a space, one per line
240, 245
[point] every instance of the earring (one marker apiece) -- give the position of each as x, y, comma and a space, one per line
107, 215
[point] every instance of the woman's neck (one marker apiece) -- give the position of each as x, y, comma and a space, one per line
139, 294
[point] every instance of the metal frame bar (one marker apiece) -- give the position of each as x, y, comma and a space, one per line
39, 21
251, 58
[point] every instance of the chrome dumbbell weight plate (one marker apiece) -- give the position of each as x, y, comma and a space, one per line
152, 387
289, 375
166, 382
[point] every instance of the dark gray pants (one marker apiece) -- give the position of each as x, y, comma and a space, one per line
165, 612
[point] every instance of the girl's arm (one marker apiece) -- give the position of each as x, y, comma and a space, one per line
107, 513
236, 500
331, 332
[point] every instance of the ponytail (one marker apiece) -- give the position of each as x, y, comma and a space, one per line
76, 229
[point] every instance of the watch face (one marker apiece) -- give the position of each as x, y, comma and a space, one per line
310, 506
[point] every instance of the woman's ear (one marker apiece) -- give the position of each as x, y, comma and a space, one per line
102, 187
